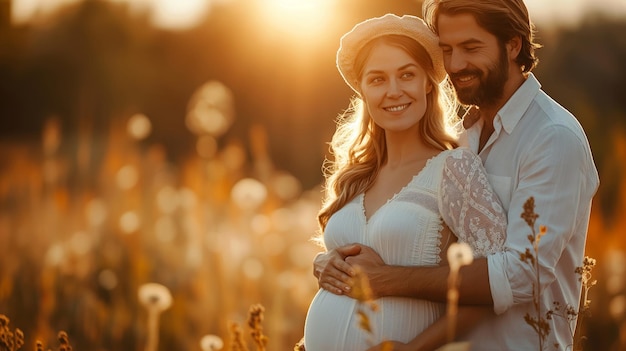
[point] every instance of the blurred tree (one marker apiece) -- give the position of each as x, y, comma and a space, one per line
583, 69
95, 61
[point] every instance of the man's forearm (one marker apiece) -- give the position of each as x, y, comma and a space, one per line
431, 283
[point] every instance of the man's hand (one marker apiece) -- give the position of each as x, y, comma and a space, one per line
391, 345
371, 265
332, 271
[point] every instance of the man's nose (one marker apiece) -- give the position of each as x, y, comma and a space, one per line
456, 62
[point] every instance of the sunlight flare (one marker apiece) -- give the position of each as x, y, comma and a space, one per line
302, 19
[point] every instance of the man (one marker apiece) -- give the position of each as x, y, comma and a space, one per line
530, 147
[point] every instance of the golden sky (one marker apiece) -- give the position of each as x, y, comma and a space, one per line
184, 13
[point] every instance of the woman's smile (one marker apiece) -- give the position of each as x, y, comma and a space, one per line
397, 108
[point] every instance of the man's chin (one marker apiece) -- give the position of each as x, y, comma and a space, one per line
465, 94
467, 97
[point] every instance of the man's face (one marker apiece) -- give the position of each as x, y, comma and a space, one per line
476, 62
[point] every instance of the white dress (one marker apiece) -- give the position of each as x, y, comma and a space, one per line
452, 188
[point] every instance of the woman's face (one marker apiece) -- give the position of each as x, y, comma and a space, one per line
394, 87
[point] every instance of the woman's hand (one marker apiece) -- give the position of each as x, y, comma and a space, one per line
332, 271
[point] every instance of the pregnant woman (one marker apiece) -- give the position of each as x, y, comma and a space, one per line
398, 178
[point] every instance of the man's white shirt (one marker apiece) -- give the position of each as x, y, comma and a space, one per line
538, 149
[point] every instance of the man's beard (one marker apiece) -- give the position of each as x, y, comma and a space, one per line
491, 86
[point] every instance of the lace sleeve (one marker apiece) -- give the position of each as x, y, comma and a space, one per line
469, 205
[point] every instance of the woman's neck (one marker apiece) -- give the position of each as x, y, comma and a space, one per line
406, 151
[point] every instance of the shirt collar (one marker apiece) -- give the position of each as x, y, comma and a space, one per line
519, 102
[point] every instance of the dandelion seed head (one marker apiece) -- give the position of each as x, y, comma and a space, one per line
139, 126
129, 222
211, 109
459, 254
211, 342
127, 177
155, 296
249, 194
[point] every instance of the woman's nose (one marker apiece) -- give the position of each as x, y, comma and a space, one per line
394, 88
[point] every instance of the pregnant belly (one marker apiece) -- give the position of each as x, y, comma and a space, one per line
332, 322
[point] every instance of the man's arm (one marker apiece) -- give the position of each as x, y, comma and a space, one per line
436, 335
428, 283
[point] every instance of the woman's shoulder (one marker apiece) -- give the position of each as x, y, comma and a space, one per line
459, 153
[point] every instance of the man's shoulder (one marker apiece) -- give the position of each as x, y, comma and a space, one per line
546, 113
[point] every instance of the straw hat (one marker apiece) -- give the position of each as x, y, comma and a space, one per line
413, 27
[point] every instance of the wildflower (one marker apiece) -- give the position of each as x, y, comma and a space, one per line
362, 292
538, 323
542, 231
9, 341
255, 318
360, 286
529, 214
211, 342
299, 346
64, 342
237, 338
585, 278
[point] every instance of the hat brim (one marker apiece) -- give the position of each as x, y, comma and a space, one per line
410, 26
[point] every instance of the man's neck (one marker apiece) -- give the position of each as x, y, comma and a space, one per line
488, 112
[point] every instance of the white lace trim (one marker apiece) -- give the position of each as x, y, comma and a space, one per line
469, 205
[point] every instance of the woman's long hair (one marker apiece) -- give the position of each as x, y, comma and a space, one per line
358, 145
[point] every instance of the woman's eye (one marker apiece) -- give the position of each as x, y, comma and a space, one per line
408, 75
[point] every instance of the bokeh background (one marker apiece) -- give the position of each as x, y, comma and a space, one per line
181, 142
